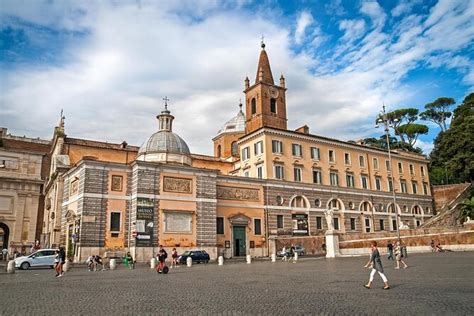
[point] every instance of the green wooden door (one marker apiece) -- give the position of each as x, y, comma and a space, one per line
239, 241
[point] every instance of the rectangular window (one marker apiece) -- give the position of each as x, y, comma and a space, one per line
418, 223
412, 170
260, 171
382, 225
257, 226
336, 223
296, 150
361, 161
378, 183
394, 224
297, 174
279, 221
277, 147
367, 225
375, 162
317, 176
425, 188
220, 226
400, 167
245, 153
258, 148
279, 171
315, 154
115, 221
347, 158
403, 186
353, 224
319, 222
350, 180
414, 187
334, 179
422, 170
364, 182
390, 185
332, 156
246, 173
387, 165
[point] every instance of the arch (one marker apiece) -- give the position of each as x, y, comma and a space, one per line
6, 235
253, 106
335, 204
219, 151
416, 210
234, 148
299, 201
273, 105
365, 206
391, 210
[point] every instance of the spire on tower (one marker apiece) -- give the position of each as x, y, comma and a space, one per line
264, 73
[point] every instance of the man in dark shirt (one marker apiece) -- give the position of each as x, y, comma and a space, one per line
390, 250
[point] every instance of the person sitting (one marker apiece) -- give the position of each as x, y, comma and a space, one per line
131, 262
432, 245
98, 262
439, 248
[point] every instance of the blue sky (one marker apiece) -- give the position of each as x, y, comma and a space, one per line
108, 64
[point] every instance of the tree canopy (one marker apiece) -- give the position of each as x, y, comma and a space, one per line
453, 153
438, 111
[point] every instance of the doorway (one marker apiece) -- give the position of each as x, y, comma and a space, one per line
4, 236
240, 241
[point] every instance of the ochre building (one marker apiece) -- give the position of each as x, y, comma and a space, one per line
264, 183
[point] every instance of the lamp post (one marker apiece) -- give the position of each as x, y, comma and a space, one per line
389, 122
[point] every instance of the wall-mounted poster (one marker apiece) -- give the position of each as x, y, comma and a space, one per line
144, 222
300, 224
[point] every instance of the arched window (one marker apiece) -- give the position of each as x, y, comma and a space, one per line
234, 148
218, 150
273, 105
416, 210
335, 204
365, 207
253, 106
299, 201
392, 209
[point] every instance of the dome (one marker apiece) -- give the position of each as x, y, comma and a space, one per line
165, 146
165, 142
235, 124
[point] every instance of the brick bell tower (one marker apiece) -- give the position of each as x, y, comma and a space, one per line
265, 101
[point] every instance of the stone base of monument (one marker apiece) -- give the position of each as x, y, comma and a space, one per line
332, 244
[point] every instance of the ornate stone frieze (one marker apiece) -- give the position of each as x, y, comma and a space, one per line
177, 185
235, 193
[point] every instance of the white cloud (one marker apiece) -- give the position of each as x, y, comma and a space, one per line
375, 12
305, 19
427, 146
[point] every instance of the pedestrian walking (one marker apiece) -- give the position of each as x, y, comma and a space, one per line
174, 258
131, 263
399, 256
57, 260
390, 250
376, 267
5, 254
62, 260
162, 255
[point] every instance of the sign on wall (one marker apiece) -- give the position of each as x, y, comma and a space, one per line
144, 222
300, 224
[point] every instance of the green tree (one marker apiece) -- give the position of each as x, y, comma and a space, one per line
453, 152
412, 131
400, 118
438, 111
467, 209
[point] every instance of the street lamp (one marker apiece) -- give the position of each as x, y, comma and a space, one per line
389, 122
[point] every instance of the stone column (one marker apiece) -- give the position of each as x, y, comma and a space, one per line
332, 244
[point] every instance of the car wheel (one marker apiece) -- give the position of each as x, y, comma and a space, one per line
25, 266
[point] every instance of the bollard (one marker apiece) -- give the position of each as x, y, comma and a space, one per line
113, 264
295, 258
274, 257
220, 261
189, 262
249, 259
11, 266
67, 266
153, 263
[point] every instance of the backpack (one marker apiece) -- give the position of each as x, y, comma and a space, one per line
165, 254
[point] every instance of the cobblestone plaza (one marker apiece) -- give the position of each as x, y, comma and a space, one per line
440, 284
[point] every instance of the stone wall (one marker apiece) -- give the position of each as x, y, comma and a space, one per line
206, 210
444, 194
313, 245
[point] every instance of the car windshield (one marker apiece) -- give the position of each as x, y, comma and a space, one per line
186, 253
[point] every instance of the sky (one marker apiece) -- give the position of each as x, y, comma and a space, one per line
109, 64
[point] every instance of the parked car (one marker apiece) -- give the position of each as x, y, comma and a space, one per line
197, 256
40, 258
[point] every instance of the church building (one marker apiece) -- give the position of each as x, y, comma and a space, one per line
265, 184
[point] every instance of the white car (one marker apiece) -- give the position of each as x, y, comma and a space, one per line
40, 258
